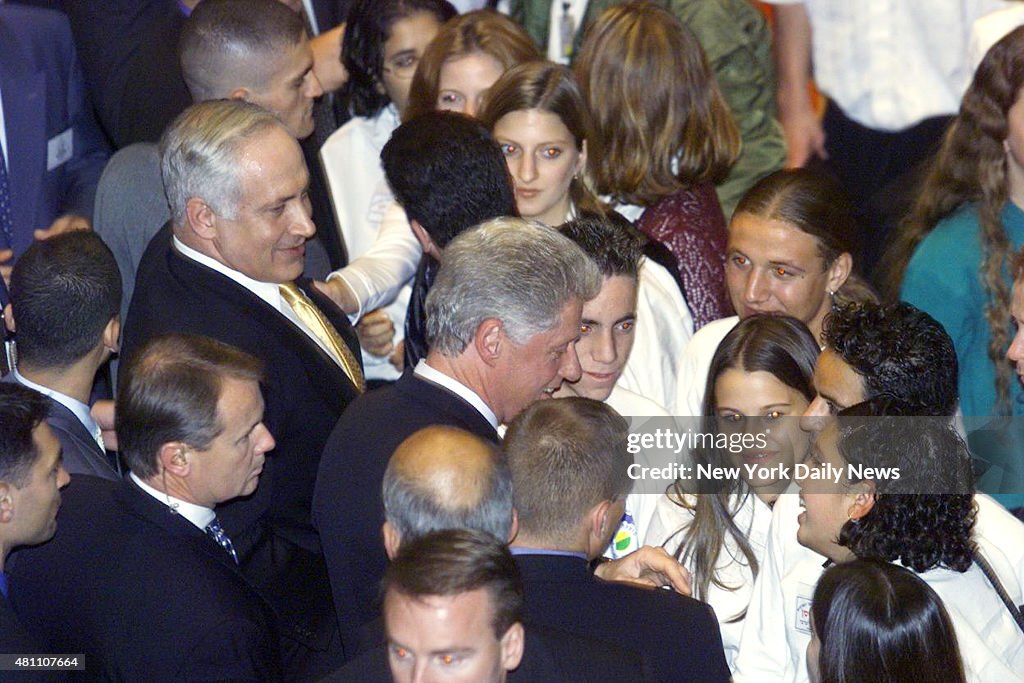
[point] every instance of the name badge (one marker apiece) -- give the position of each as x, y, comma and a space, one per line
59, 149
803, 612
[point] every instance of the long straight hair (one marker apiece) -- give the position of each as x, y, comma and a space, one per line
785, 348
662, 119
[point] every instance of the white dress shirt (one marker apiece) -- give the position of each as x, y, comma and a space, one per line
196, 514
80, 410
890, 64
430, 374
269, 292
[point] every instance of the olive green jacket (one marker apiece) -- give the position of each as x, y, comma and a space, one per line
738, 43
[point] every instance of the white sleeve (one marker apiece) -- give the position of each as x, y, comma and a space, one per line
764, 648
376, 276
695, 363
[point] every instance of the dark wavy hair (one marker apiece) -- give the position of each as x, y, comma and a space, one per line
971, 169
898, 350
924, 519
367, 28
779, 345
877, 621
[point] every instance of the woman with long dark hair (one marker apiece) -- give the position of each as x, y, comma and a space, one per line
760, 381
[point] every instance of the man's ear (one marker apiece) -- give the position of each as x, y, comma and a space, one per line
489, 340
863, 499
201, 218
9, 318
392, 539
425, 240
513, 527
512, 645
6, 502
112, 334
176, 458
240, 94
598, 521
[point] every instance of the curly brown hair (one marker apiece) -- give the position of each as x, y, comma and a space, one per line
971, 169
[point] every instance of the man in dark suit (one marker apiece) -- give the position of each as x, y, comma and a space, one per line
503, 317
569, 463
31, 477
52, 150
228, 266
143, 579
445, 478
66, 298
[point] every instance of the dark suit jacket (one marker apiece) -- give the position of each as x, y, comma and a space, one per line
549, 655
305, 390
347, 507
677, 637
81, 453
43, 98
142, 592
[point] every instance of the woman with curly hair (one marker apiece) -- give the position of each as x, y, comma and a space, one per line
760, 377
667, 136
952, 255
877, 621
887, 488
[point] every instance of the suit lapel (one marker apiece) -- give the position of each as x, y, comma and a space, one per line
441, 399
24, 103
323, 371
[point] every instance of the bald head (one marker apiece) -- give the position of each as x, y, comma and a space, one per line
446, 478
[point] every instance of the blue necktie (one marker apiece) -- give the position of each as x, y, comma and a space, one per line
216, 532
6, 219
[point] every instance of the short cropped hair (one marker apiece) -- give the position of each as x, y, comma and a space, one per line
456, 561
899, 351
21, 411
566, 456
614, 250
64, 292
169, 391
520, 272
414, 508
199, 153
226, 44
448, 173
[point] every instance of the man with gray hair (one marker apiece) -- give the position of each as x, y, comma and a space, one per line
503, 318
252, 50
229, 267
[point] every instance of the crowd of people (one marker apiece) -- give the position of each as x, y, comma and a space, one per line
330, 327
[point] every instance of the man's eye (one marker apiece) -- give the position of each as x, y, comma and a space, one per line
450, 660
585, 329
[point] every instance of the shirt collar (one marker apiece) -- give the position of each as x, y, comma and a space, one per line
80, 410
518, 550
198, 515
267, 291
424, 371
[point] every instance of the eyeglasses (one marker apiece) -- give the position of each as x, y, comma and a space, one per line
402, 65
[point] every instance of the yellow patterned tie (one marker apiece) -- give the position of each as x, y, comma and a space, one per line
324, 331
